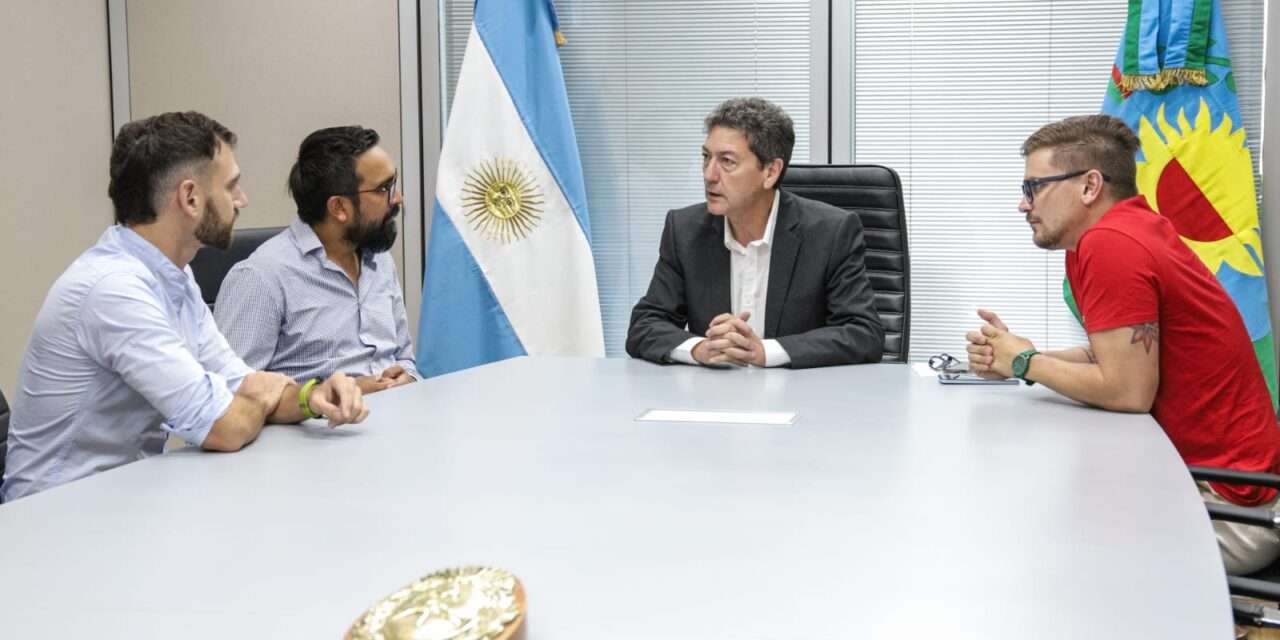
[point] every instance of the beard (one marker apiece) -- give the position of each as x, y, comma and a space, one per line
211, 232
375, 237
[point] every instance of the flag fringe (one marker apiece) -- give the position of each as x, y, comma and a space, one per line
1163, 80
560, 39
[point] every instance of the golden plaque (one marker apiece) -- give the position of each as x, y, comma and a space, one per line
471, 603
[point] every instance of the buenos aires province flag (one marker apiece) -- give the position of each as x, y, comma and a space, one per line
509, 265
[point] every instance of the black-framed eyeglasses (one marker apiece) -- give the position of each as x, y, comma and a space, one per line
388, 188
946, 363
1031, 185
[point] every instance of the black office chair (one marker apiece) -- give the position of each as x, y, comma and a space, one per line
211, 265
1263, 584
4, 432
875, 194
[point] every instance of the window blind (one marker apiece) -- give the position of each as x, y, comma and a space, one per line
945, 91
641, 76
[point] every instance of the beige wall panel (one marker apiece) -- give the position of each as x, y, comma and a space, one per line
272, 72
55, 119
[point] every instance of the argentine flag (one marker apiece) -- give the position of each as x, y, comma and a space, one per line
509, 266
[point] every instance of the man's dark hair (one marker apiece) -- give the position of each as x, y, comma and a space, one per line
148, 153
1101, 142
326, 167
769, 131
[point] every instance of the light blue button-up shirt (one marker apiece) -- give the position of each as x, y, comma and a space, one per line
123, 353
289, 308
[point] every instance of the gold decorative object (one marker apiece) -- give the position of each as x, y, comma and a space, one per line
471, 603
502, 200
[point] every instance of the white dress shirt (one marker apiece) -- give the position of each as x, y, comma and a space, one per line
124, 352
748, 290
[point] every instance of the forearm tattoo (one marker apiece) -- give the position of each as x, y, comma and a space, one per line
1146, 333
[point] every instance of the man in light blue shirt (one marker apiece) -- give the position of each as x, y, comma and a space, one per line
323, 296
124, 352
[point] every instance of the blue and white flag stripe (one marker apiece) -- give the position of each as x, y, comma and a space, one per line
485, 299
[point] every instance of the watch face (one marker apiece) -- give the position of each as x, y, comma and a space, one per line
1020, 363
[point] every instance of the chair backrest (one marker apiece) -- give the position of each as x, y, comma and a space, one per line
4, 432
211, 265
874, 193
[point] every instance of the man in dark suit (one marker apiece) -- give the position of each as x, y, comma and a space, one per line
754, 276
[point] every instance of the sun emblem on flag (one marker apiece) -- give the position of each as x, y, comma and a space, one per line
502, 200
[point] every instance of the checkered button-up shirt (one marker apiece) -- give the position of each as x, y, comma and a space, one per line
289, 308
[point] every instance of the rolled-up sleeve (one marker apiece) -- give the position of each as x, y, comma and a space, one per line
126, 330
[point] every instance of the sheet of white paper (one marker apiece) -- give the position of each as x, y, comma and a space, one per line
770, 418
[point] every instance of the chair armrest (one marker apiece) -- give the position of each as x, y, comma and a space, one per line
1256, 516
1253, 588
1232, 476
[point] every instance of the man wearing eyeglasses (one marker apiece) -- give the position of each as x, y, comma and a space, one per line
323, 296
1164, 337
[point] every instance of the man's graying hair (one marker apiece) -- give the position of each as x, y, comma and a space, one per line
769, 131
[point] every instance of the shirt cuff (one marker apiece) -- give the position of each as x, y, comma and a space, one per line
684, 352
194, 426
775, 355
410, 367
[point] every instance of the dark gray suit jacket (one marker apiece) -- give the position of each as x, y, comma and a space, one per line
819, 305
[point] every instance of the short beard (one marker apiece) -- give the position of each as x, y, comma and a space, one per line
211, 232
373, 238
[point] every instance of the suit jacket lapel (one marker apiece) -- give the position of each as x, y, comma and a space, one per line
782, 262
717, 268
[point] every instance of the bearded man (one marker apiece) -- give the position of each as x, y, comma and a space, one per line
323, 296
124, 353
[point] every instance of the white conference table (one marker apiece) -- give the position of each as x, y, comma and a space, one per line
893, 507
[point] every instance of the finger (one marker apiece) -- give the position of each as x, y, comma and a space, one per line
321, 405
741, 357
989, 331
364, 413
719, 329
720, 318
742, 327
991, 318
980, 350
718, 345
744, 316
348, 395
976, 337
738, 340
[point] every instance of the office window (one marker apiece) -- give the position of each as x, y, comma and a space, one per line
945, 91
641, 76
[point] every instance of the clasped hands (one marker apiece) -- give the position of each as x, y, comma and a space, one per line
993, 347
730, 341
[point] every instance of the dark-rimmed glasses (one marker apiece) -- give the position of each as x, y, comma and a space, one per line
946, 363
388, 187
1031, 185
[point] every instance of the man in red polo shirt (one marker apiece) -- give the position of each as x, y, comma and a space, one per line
1164, 337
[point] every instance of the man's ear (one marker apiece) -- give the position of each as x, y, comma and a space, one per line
339, 207
772, 173
190, 197
1092, 188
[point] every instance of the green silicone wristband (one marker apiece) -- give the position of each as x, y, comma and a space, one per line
304, 398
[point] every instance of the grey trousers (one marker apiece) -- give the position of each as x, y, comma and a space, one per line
1245, 548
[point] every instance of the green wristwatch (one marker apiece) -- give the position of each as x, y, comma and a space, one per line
1021, 363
